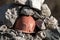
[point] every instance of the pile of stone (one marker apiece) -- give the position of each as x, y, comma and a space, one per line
45, 22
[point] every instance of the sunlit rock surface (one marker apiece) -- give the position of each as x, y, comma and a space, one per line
31, 3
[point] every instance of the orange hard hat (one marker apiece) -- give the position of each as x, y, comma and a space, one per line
25, 24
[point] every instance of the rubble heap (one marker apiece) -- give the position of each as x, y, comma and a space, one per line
46, 25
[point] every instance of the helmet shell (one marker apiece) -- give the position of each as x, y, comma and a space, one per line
25, 24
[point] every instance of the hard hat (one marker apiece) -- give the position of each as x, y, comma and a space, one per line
25, 24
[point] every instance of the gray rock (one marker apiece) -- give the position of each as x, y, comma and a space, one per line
45, 10
27, 11
11, 15
8, 15
32, 3
3, 28
52, 34
3, 20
